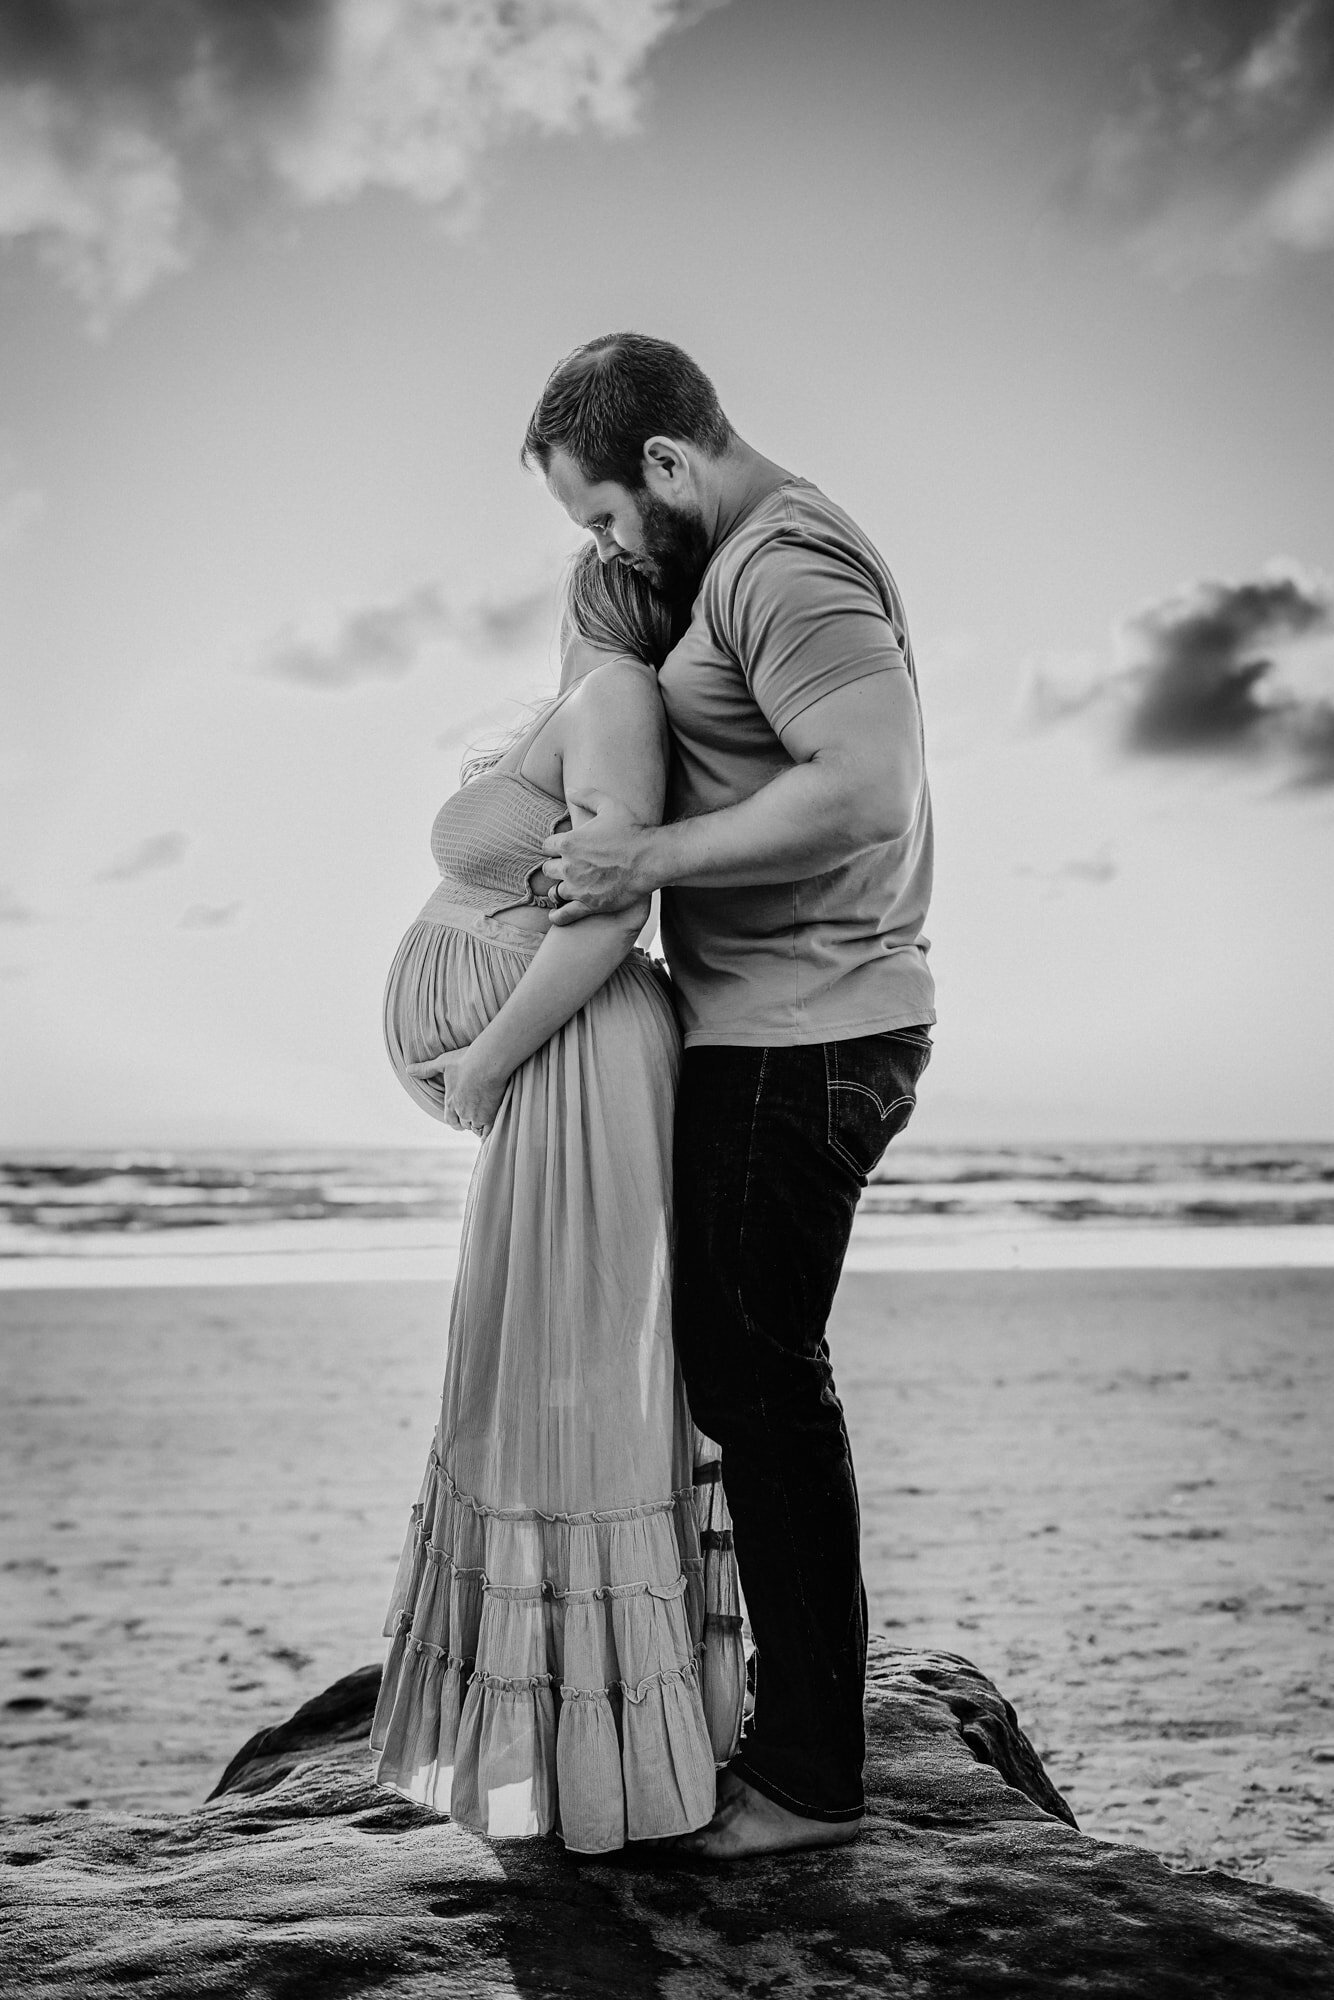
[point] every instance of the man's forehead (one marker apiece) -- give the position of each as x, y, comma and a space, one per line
575, 494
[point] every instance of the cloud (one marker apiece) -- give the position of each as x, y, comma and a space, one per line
1055, 686
210, 916
159, 850
1222, 150
1087, 871
1204, 676
127, 131
387, 640
512, 621
13, 910
377, 642
1095, 869
1218, 670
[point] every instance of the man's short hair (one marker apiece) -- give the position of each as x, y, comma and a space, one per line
602, 403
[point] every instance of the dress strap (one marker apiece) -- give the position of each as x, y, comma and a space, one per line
514, 756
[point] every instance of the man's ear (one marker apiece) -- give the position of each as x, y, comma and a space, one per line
667, 467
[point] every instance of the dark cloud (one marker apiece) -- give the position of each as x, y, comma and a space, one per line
386, 641
1218, 670
1203, 676
127, 127
210, 916
147, 50
159, 850
1223, 146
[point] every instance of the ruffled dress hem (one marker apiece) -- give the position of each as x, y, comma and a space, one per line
580, 1671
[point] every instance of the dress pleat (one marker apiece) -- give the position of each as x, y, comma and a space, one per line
565, 1639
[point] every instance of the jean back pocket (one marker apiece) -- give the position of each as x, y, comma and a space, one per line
872, 1091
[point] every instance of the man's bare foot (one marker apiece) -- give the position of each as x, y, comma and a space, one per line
746, 1823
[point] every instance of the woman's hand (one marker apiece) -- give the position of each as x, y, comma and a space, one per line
471, 1093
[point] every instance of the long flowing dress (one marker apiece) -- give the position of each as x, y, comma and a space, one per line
565, 1629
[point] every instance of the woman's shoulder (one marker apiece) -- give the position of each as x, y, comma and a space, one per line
615, 705
620, 682
621, 667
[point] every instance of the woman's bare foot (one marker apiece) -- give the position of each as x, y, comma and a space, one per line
746, 1823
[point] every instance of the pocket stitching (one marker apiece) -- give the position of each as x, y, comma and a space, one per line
836, 1145
908, 1096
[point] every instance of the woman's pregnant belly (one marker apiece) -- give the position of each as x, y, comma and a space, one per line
447, 981
452, 974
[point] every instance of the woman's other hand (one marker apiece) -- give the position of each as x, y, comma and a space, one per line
471, 1093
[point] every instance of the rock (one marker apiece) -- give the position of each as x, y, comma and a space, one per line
299, 1878
342, 1714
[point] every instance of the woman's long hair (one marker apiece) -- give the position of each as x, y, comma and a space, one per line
617, 610
613, 608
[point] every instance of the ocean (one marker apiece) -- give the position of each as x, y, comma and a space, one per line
217, 1215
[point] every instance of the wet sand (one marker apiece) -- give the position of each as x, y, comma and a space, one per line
1111, 1489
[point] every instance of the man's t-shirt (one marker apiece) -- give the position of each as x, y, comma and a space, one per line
794, 604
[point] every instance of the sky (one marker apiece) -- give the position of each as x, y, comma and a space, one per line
1041, 291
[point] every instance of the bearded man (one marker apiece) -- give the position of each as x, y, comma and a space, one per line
795, 868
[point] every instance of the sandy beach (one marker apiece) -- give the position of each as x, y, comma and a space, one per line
1109, 1488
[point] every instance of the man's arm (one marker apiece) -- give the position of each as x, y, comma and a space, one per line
855, 781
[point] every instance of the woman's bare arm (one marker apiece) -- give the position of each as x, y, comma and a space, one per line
613, 749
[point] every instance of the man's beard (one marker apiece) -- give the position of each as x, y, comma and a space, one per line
676, 549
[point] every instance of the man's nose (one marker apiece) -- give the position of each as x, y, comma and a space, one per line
607, 546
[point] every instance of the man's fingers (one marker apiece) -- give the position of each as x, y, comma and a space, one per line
569, 913
426, 1070
554, 844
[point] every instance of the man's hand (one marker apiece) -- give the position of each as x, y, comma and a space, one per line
470, 1095
599, 867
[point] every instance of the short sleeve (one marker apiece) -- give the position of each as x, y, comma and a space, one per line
807, 618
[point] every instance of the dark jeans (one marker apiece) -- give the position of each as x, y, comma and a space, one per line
773, 1148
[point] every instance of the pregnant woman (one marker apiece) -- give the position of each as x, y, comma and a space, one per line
565, 1629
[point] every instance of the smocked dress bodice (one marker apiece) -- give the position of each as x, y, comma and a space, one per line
487, 841
471, 938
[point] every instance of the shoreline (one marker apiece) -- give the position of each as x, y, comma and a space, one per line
399, 1253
